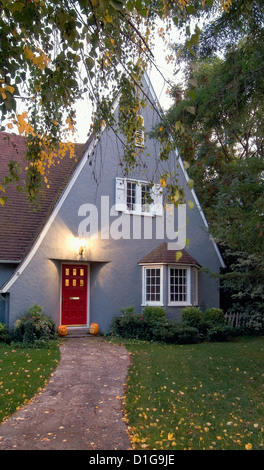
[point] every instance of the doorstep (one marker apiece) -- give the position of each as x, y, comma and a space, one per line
78, 332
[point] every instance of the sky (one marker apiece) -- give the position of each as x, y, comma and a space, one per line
83, 110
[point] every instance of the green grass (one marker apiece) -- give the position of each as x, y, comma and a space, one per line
23, 372
198, 397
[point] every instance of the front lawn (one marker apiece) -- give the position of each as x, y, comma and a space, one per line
197, 397
23, 372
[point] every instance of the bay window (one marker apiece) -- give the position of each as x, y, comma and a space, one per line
171, 285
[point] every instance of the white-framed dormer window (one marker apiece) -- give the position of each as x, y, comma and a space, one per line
179, 284
140, 133
152, 285
138, 197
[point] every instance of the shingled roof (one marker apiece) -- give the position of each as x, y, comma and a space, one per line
162, 255
19, 223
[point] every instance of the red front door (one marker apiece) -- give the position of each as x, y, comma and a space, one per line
74, 294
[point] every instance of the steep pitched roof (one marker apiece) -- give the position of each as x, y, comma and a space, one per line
162, 255
19, 223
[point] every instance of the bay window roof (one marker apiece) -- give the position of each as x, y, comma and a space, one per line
163, 255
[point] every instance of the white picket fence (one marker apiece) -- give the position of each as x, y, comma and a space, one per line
234, 319
237, 320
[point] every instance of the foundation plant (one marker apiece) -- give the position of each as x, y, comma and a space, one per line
153, 325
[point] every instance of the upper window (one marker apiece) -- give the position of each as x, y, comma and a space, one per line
138, 197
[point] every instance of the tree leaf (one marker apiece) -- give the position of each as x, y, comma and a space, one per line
190, 109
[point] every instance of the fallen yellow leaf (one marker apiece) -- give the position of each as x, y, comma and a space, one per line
248, 446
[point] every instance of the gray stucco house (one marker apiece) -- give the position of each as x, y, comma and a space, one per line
96, 244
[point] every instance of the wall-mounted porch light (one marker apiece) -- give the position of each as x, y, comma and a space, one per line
81, 245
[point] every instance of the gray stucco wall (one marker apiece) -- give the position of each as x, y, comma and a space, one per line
6, 270
115, 278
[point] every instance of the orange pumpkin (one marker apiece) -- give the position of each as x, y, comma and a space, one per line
94, 329
62, 330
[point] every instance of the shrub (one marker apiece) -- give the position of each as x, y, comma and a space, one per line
155, 321
4, 334
128, 325
253, 323
154, 315
153, 325
194, 317
34, 326
214, 316
220, 333
147, 325
180, 333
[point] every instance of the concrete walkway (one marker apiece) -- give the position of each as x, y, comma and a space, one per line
81, 406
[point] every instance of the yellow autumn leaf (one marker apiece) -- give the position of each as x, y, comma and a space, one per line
22, 124
170, 436
108, 18
3, 93
190, 183
178, 257
28, 53
190, 204
40, 62
9, 88
248, 446
176, 195
186, 165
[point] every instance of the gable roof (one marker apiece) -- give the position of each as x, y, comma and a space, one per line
21, 229
20, 224
162, 255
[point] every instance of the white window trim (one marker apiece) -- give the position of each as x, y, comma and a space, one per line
180, 303
195, 287
144, 294
155, 209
